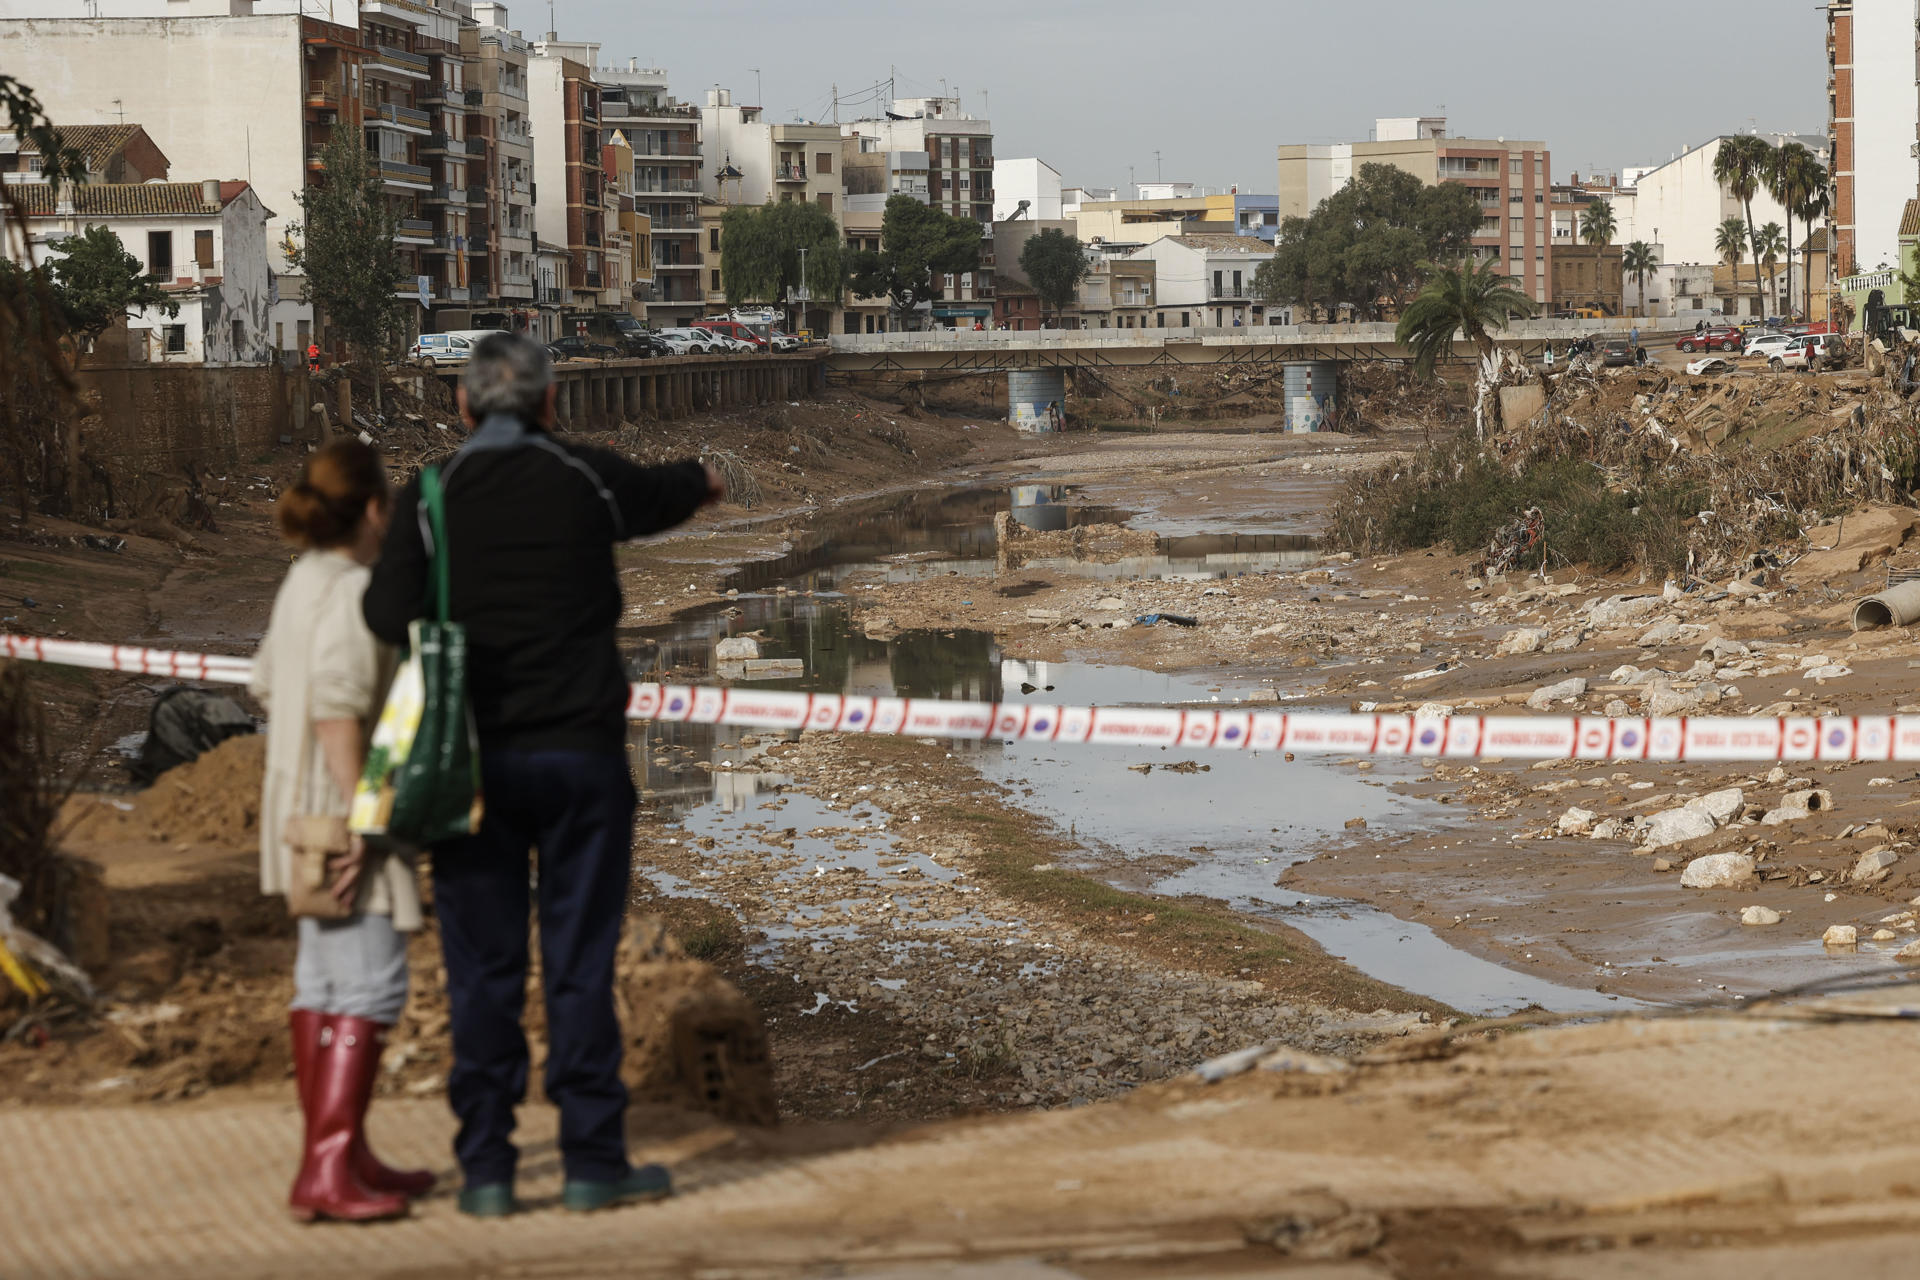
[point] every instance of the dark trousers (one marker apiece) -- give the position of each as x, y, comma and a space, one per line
576, 808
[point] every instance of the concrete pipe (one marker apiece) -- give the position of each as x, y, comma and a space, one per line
1895, 607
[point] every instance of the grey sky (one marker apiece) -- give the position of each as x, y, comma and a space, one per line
1092, 86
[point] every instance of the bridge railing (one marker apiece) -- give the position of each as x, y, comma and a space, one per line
1248, 335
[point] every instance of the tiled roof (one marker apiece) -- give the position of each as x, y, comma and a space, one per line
1817, 242
1225, 244
97, 143
126, 199
1910, 219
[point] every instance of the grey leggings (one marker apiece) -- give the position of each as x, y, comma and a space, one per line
356, 967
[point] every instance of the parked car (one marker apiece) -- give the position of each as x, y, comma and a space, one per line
1710, 364
734, 329
1766, 345
1800, 354
1615, 352
581, 349
1720, 337
455, 347
724, 343
687, 342
783, 341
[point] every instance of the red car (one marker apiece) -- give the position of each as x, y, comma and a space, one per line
734, 329
1723, 336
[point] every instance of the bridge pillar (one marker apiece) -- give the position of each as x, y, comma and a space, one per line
1037, 399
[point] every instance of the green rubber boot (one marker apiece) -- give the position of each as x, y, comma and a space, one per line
490, 1200
648, 1182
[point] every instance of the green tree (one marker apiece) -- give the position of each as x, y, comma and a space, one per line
1056, 263
1730, 242
1793, 175
1814, 201
1770, 242
1597, 226
1369, 244
918, 245
344, 243
1640, 261
1741, 165
97, 282
1473, 300
36, 380
760, 252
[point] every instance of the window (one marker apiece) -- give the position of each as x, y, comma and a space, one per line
175, 334
160, 255
1516, 166
823, 162
826, 200
239, 336
716, 282
1216, 282
713, 239
203, 248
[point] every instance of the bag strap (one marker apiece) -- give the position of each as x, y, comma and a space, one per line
433, 508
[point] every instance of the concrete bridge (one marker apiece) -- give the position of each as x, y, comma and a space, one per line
601, 393
993, 351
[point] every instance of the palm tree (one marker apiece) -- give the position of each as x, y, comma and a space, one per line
1640, 261
1740, 165
1771, 243
1468, 299
1596, 224
1814, 204
1792, 177
1730, 242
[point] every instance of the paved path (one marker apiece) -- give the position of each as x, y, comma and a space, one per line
1787, 1142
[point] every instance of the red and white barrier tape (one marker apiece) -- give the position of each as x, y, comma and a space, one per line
1517, 737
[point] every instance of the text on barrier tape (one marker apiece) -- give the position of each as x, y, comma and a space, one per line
1518, 737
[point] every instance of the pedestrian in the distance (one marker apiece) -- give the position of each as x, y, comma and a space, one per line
1633, 336
313, 357
531, 525
323, 676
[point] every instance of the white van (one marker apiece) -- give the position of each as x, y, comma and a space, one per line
455, 347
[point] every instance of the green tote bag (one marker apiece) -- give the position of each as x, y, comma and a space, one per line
421, 784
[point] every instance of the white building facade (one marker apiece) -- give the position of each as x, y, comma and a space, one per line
1032, 180
1680, 205
1886, 124
1206, 280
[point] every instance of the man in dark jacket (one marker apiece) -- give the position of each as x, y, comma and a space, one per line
531, 526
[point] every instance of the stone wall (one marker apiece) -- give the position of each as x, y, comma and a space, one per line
153, 418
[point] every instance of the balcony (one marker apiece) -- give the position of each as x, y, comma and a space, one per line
592, 238
454, 146
322, 94
393, 115
1231, 293
790, 173
453, 293
398, 173
594, 280
440, 95
676, 266
446, 193
413, 231
647, 149
400, 64
666, 186
412, 293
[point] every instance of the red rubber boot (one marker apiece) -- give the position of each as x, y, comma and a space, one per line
341, 1087
373, 1174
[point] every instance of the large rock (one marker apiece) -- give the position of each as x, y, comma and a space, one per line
1759, 915
1577, 821
1543, 698
1664, 632
1717, 871
1677, 825
1872, 865
1721, 806
1665, 700
736, 649
1623, 611
1840, 935
1523, 640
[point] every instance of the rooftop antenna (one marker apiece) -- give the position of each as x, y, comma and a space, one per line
836, 103
118, 106
759, 96
553, 26
986, 105
1156, 166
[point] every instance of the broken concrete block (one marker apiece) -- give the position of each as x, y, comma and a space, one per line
1759, 915
1577, 821
1817, 800
1721, 806
1677, 825
1717, 871
1872, 865
736, 649
1523, 640
1621, 611
1543, 698
1840, 935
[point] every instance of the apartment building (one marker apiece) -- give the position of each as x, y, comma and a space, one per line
1679, 206
564, 100
1873, 118
1509, 178
1027, 179
221, 89
502, 256
959, 150
1206, 280
663, 135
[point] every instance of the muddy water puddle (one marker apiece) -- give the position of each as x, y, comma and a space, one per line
1218, 824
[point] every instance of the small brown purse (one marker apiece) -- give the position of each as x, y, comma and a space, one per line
313, 839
